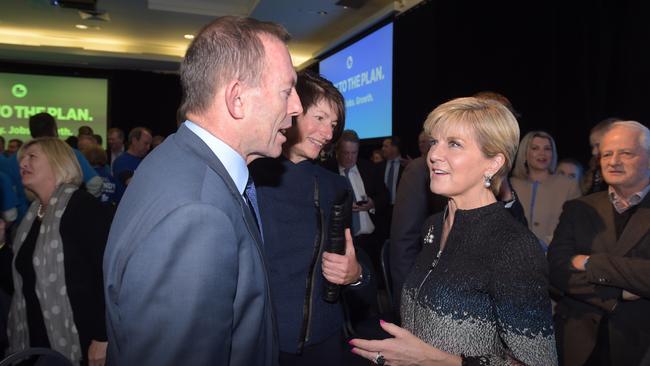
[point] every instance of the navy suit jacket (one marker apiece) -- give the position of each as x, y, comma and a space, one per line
184, 275
382, 172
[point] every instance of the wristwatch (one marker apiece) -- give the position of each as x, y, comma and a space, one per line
358, 280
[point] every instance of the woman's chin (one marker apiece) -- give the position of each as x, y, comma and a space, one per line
314, 154
441, 191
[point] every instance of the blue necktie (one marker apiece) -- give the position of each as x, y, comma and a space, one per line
251, 198
356, 220
389, 180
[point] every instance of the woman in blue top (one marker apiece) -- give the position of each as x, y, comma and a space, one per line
295, 197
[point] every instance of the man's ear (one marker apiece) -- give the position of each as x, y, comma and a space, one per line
233, 96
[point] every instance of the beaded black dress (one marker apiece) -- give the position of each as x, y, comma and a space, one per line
486, 295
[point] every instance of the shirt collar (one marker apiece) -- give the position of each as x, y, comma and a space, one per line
353, 169
621, 205
233, 162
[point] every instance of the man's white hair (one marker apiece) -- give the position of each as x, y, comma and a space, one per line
643, 131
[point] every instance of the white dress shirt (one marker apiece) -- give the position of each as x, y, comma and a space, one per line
365, 223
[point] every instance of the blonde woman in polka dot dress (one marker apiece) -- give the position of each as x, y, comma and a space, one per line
56, 272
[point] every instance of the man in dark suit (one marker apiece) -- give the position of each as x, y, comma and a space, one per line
390, 170
370, 195
600, 259
393, 166
185, 279
415, 202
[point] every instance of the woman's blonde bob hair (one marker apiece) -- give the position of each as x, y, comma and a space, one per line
62, 159
521, 165
492, 125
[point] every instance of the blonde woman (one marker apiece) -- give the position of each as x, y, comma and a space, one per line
541, 191
477, 294
56, 271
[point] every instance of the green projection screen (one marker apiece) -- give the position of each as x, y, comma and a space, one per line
73, 101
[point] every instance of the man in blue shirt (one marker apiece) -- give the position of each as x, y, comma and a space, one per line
9, 167
8, 199
125, 165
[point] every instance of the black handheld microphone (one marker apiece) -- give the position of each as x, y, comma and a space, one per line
339, 220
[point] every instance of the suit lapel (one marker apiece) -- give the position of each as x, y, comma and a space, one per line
250, 222
400, 171
605, 241
635, 230
192, 142
364, 178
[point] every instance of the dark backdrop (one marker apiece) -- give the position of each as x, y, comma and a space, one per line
564, 65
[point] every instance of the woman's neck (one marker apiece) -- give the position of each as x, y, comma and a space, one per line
44, 195
471, 200
538, 175
293, 157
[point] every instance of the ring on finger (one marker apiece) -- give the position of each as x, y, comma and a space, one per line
379, 359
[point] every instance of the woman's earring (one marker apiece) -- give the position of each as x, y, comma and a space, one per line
486, 181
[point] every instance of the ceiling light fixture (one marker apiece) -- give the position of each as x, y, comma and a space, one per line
98, 15
81, 26
188, 36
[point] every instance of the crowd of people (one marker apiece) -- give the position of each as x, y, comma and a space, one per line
239, 240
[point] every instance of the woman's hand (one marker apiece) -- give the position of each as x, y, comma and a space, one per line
97, 353
403, 350
342, 269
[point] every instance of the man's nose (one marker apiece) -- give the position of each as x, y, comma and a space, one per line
294, 107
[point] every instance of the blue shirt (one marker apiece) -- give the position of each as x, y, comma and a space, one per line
109, 186
125, 163
86, 170
9, 166
233, 162
123, 169
8, 199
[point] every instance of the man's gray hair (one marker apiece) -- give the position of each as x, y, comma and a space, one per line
228, 48
643, 131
